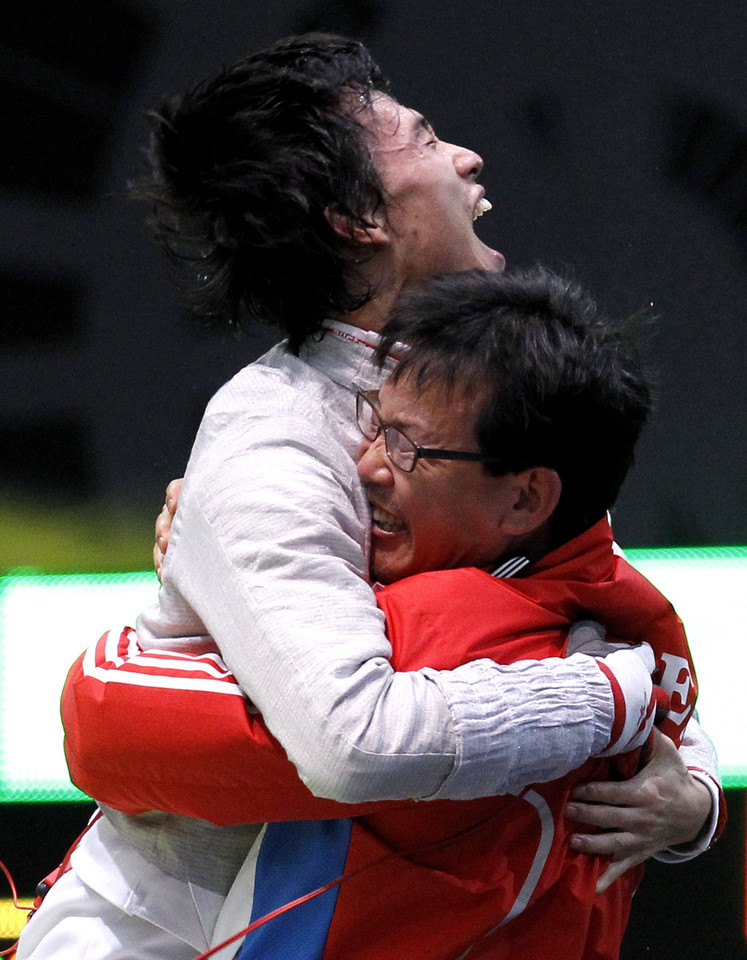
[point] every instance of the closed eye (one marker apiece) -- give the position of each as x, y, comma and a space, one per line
425, 132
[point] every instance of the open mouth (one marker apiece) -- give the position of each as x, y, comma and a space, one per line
385, 521
481, 207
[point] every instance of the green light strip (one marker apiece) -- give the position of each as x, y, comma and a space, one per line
707, 586
689, 556
47, 621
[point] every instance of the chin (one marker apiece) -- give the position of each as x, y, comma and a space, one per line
494, 261
384, 572
383, 576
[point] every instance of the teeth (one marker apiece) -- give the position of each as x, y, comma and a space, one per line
483, 206
385, 521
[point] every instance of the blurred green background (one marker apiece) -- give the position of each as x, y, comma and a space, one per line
65, 538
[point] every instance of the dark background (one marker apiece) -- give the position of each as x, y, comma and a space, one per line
615, 140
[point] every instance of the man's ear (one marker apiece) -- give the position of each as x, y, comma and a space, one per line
536, 492
371, 230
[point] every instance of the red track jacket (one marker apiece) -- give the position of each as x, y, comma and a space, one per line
488, 878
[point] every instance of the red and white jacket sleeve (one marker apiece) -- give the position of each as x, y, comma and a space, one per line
157, 730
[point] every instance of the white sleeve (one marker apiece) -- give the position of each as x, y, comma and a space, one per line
269, 555
699, 756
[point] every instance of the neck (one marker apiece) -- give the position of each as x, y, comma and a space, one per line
372, 315
379, 274
533, 546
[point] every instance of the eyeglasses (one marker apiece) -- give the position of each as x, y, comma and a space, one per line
403, 452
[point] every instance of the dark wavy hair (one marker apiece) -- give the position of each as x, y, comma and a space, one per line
564, 387
243, 167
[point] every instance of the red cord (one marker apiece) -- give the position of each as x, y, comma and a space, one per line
16, 904
424, 848
13, 891
48, 880
293, 903
278, 911
275, 913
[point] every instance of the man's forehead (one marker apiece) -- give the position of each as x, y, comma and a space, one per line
430, 406
390, 119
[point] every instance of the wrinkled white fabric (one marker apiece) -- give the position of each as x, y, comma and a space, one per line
268, 557
267, 560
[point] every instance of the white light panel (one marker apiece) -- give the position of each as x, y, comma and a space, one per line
45, 624
47, 621
708, 587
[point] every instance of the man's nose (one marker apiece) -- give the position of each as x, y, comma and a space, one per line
373, 463
468, 163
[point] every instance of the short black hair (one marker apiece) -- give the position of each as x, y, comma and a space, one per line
243, 167
564, 387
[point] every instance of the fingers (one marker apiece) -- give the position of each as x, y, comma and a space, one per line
163, 527
163, 524
602, 816
613, 872
616, 845
157, 560
621, 793
624, 850
173, 490
660, 807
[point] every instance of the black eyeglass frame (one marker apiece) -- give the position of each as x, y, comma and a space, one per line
420, 453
